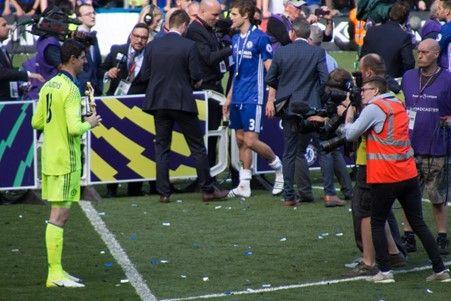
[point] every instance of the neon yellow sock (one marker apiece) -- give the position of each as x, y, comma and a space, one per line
54, 243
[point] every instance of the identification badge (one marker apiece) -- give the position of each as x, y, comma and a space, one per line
412, 116
13, 90
222, 67
122, 88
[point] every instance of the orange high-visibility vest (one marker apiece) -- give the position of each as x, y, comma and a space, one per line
359, 27
389, 155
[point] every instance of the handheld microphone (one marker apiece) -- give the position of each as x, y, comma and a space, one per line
120, 58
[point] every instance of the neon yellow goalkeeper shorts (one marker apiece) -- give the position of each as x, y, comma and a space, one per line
61, 188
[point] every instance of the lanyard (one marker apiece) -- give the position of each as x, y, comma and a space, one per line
429, 80
239, 57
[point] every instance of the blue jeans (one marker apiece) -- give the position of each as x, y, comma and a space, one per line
333, 163
295, 145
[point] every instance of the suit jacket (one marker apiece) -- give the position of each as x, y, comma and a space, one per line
138, 85
393, 44
211, 53
172, 64
92, 71
299, 70
8, 74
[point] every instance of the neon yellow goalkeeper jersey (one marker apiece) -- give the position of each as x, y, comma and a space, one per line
58, 114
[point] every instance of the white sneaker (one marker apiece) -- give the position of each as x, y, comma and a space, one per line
240, 191
70, 277
64, 283
381, 277
278, 183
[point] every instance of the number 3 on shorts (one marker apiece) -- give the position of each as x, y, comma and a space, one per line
251, 124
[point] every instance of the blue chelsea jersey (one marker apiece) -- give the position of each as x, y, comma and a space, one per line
249, 53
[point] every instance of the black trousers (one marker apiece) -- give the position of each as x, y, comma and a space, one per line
361, 208
190, 127
409, 195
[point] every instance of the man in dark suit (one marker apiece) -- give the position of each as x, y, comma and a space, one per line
391, 41
126, 73
92, 71
172, 65
9, 76
212, 62
298, 73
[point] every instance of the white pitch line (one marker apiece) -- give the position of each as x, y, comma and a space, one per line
118, 253
294, 286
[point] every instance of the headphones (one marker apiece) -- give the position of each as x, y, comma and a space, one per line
148, 18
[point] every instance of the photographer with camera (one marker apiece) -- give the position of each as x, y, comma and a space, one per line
297, 77
331, 157
53, 27
391, 172
427, 92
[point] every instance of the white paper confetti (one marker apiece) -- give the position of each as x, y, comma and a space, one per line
320, 237
15, 250
429, 291
283, 239
166, 224
179, 201
339, 234
125, 281
101, 213
218, 207
266, 285
20, 215
102, 252
164, 261
205, 279
183, 276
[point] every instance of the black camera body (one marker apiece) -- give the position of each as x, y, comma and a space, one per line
337, 95
55, 22
329, 132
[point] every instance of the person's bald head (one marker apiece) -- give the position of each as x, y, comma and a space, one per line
210, 11
428, 53
371, 65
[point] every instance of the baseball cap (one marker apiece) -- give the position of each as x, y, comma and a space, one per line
297, 3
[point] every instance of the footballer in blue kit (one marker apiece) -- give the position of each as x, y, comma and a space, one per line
252, 54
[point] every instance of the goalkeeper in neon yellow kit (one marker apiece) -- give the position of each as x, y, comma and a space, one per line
58, 115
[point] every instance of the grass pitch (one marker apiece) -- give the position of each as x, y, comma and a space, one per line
238, 244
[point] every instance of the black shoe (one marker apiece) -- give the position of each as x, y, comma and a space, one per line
409, 243
442, 243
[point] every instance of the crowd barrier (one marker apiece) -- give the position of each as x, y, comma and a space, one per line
121, 149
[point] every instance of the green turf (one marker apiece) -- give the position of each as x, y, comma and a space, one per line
201, 241
23, 264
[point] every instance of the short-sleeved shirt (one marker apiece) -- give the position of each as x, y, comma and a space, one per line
249, 53
58, 115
